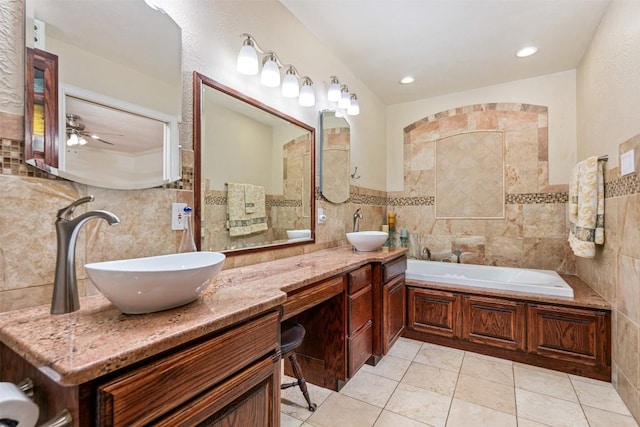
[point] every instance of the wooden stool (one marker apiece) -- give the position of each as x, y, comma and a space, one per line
291, 337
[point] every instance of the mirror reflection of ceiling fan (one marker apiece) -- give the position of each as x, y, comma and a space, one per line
76, 132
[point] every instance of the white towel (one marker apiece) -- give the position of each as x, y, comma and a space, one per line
586, 207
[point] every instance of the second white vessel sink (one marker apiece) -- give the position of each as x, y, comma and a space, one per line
146, 285
367, 241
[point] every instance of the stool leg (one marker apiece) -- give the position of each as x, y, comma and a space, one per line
301, 382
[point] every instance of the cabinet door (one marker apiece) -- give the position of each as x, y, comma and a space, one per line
494, 322
41, 109
394, 308
434, 312
569, 334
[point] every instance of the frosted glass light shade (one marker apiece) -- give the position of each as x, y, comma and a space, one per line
270, 75
354, 107
73, 140
290, 86
82, 141
345, 100
307, 95
247, 62
333, 93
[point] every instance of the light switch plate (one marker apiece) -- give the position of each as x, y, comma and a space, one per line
627, 162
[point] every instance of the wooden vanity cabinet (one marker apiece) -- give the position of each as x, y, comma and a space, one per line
231, 377
360, 324
389, 305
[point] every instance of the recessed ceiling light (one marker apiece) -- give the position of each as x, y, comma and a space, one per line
407, 80
526, 51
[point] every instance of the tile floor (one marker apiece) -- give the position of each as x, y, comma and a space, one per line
420, 384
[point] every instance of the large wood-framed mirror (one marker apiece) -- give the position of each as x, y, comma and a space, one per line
254, 184
119, 92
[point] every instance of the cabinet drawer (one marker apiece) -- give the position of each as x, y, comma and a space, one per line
300, 300
246, 399
360, 348
134, 398
360, 308
359, 279
393, 269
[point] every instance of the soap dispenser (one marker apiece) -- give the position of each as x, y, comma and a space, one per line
187, 244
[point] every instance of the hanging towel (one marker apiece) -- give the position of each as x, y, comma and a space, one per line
586, 207
246, 209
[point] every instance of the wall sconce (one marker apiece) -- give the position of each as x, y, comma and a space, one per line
345, 97
248, 64
354, 107
333, 94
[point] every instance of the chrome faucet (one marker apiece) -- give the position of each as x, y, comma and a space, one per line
357, 216
65, 288
426, 254
457, 254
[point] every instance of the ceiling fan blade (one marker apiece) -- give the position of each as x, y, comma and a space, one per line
98, 137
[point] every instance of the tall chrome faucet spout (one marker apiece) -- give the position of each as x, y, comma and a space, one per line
65, 288
357, 216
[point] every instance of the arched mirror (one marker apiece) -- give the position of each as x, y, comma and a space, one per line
108, 116
335, 159
254, 173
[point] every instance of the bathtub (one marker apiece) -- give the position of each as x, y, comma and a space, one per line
545, 282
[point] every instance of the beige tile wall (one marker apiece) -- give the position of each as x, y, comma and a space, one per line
615, 274
533, 232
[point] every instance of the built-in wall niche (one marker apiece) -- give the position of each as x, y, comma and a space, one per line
470, 176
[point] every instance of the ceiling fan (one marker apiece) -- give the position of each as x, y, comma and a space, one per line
76, 132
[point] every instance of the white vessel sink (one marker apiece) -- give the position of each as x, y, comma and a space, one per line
146, 285
367, 241
298, 234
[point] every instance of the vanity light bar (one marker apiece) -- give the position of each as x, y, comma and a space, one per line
342, 97
248, 64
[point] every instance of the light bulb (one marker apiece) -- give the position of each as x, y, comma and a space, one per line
270, 75
247, 63
333, 94
345, 98
354, 107
290, 86
82, 141
307, 95
73, 140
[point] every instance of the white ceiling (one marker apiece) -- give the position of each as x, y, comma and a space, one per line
449, 45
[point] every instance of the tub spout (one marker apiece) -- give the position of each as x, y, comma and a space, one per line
457, 254
426, 253
65, 288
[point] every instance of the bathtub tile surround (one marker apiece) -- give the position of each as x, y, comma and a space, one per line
532, 233
487, 392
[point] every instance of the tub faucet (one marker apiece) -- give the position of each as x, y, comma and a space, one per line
426, 253
457, 254
357, 216
65, 287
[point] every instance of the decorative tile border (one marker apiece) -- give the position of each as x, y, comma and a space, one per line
623, 186
270, 202
12, 161
536, 198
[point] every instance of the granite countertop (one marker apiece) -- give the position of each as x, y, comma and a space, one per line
98, 339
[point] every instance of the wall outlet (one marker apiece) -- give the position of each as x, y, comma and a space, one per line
39, 34
177, 216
